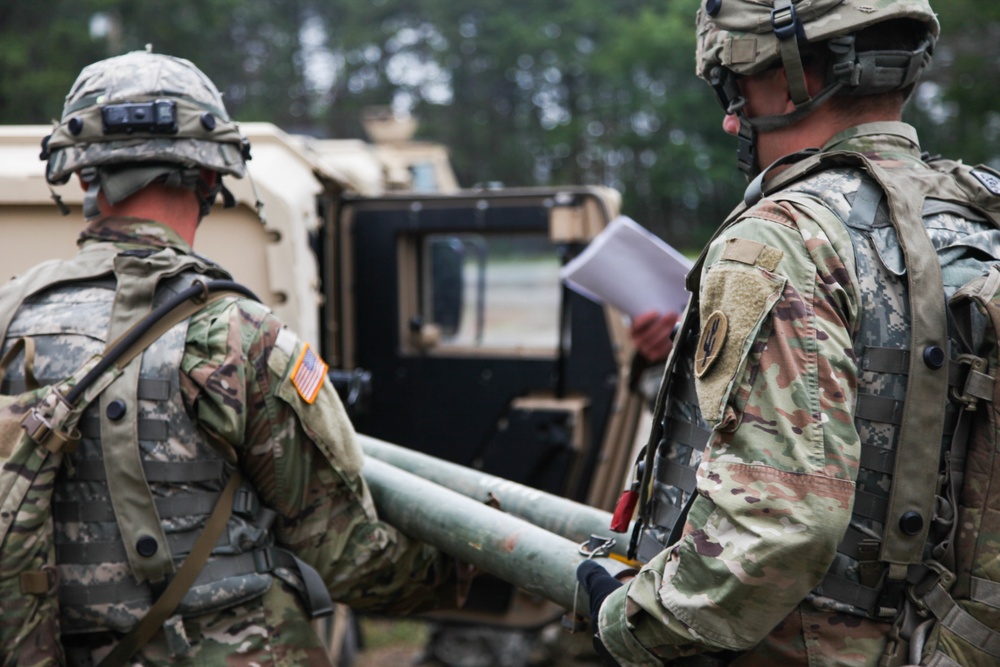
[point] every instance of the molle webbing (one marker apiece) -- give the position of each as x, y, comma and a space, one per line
157, 471
97, 553
168, 508
149, 389
676, 441
268, 560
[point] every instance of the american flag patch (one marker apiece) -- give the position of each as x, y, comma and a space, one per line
308, 374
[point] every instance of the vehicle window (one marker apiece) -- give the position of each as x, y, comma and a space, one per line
492, 292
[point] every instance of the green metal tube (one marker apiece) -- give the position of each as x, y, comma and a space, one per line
574, 521
529, 557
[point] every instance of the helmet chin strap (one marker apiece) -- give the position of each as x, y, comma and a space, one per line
866, 73
746, 152
746, 147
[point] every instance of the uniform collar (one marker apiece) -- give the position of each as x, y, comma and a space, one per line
881, 140
133, 232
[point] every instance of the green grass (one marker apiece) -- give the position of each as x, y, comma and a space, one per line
381, 632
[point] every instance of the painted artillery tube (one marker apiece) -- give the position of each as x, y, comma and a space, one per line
574, 521
529, 557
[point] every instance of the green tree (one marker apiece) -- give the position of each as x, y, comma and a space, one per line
522, 92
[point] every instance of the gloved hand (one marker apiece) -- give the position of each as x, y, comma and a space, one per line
599, 584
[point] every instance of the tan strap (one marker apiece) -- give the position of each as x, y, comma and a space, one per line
791, 59
985, 592
165, 605
133, 501
941, 660
28, 345
961, 622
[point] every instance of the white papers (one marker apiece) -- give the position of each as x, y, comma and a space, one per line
628, 267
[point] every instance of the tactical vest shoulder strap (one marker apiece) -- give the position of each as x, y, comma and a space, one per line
138, 279
911, 504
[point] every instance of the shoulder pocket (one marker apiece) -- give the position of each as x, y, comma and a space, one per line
324, 419
737, 300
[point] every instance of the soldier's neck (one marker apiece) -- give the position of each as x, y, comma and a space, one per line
177, 208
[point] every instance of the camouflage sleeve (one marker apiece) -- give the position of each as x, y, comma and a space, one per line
247, 381
776, 377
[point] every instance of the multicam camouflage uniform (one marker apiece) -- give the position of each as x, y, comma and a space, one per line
214, 392
805, 291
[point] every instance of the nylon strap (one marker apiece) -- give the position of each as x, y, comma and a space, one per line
918, 450
985, 591
169, 507
112, 551
791, 59
941, 660
147, 429
180, 584
960, 622
149, 389
28, 345
159, 471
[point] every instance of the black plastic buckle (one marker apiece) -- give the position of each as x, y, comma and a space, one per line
785, 22
263, 561
245, 503
724, 82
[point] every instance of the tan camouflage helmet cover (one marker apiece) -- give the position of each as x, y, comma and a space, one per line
205, 136
740, 36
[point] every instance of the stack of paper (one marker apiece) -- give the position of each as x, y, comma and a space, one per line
630, 268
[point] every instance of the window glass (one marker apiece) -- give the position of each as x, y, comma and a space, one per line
490, 292
424, 177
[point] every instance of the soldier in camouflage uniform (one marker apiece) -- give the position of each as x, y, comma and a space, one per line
785, 368
150, 139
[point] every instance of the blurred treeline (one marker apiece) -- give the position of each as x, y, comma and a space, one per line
523, 92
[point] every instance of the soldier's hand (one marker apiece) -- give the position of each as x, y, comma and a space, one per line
598, 583
653, 334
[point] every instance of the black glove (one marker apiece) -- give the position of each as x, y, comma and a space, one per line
598, 584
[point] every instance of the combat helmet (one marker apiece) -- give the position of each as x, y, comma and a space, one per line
132, 119
744, 37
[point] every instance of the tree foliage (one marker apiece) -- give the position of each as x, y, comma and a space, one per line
523, 92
